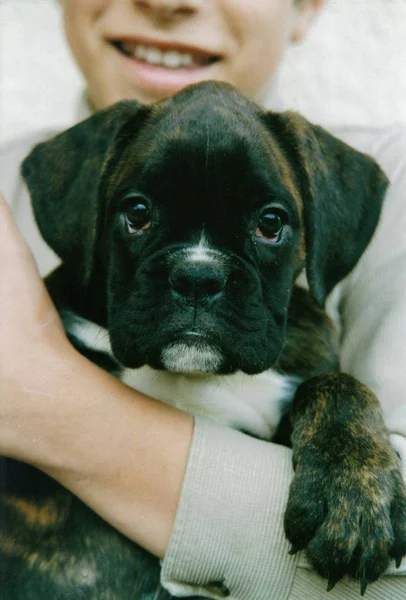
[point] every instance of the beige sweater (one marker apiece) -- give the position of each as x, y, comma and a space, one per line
229, 521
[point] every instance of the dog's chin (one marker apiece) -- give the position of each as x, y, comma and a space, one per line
182, 356
193, 354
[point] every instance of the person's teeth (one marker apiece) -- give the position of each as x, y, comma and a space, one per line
187, 60
172, 59
140, 52
153, 56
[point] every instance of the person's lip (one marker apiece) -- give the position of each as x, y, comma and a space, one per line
164, 67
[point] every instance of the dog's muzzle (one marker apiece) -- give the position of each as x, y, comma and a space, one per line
197, 277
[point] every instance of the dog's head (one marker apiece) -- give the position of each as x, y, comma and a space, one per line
195, 216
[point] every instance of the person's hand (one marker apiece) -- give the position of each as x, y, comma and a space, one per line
31, 334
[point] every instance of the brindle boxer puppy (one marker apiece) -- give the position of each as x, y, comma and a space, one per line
182, 229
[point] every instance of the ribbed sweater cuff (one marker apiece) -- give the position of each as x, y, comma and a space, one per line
229, 526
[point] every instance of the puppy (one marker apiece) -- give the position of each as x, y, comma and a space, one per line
182, 229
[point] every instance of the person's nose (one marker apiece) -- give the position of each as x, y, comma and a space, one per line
167, 9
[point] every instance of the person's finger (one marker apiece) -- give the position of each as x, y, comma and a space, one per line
26, 309
13, 248
9, 234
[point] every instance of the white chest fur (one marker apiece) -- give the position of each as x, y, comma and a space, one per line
253, 403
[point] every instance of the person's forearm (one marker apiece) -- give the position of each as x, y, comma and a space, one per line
123, 454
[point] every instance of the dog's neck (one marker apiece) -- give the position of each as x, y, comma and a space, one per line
252, 403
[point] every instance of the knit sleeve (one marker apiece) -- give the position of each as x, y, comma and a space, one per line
228, 535
228, 539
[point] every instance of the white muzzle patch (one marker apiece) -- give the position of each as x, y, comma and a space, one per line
197, 358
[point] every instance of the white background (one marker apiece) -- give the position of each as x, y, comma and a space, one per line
352, 68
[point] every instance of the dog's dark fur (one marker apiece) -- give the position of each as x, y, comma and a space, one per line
208, 164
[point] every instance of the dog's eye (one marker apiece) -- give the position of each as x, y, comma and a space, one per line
270, 226
137, 215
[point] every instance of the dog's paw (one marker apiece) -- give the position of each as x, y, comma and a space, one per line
351, 519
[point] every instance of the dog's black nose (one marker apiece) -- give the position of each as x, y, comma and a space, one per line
197, 280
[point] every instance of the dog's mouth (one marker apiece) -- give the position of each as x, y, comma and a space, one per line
171, 58
192, 352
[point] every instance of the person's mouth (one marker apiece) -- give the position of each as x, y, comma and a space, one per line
164, 68
170, 59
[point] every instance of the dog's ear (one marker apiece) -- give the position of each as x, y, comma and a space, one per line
63, 177
342, 191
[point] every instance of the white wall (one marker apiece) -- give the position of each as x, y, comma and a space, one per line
352, 69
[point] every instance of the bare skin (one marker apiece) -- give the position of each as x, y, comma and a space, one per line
69, 394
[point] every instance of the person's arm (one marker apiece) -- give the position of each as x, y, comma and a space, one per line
123, 454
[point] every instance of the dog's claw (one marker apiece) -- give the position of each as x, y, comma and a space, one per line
398, 560
364, 585
332, 582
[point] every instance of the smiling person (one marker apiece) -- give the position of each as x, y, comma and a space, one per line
207, 500
149, 50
